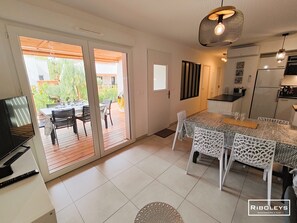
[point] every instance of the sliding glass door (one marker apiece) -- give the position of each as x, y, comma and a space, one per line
111, 71
78, 94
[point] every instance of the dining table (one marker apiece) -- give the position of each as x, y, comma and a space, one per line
285, 137
47, 112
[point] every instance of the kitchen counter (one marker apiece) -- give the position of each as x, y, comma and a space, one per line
289, 97
225, 97
224, 104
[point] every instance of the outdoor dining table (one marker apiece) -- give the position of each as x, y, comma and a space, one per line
284, 135
78, 110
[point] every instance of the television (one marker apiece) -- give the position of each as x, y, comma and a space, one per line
16, 126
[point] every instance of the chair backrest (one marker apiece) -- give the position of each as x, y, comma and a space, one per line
209, 142
278, 121
107, 103
63, 118
181, 117
86, 112
253, 151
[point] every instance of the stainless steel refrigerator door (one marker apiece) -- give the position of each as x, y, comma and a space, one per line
269, 78
264, 103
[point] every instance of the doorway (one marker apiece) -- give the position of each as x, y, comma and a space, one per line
110, 69
204, 87
59, 73
158, 90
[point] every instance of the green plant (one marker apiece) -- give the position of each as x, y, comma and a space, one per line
108, 93
41, 97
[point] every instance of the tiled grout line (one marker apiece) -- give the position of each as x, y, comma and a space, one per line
239, 197
109, 180
193, 188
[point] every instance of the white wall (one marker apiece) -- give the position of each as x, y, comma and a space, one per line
62, 22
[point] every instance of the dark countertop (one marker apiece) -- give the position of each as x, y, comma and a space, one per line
225, 97
287, 97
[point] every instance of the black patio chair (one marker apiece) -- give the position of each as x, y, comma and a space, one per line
64, 119
85, 116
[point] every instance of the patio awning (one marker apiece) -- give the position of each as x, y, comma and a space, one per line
39, 47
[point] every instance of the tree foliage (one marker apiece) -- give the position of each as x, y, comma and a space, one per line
71, 84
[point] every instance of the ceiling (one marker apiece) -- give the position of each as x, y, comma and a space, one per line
179, 19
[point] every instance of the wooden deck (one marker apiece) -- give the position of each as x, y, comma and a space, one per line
71, 150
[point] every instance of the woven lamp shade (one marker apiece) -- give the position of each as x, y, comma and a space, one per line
233, 27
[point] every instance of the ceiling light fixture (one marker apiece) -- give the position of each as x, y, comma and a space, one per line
221, 27
224, 58
281, 54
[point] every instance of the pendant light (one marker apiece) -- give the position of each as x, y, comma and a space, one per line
221, 27
224, 58
281, 54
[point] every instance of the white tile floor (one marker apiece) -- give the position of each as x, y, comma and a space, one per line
114, 188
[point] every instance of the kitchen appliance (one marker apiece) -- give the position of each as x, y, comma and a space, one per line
291, 68
290, 77
266, 91
239, 91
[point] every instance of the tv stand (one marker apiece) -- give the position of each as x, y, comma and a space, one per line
16, 156
5, 171
27, 200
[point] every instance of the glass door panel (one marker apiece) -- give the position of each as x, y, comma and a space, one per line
112, 87
56, 74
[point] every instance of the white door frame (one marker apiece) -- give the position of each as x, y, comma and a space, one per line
128, 87
14, 32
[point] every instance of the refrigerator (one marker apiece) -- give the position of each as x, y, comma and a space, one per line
265, 95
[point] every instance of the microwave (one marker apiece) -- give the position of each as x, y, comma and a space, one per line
291, 68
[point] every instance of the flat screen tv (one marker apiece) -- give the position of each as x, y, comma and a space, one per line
16, 126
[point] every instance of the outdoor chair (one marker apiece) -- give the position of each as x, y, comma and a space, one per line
85, 116
107, 103
181, 116
210, 143
64, 119
254, 152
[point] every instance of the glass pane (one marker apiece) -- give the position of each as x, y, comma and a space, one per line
160, 77
111, 73
56, 76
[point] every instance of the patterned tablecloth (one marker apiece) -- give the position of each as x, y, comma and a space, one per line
284, 135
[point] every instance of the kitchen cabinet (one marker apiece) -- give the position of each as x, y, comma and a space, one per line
284, 107
224, 104
271, 62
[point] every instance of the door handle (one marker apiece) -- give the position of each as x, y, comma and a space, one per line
169, 94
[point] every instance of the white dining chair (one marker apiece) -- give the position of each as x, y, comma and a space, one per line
253, 152
210, 143
273, 120
181, 116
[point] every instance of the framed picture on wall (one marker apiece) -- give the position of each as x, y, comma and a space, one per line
238, 80
240, 65
239, 72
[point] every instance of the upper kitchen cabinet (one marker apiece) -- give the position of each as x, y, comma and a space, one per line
269, 62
